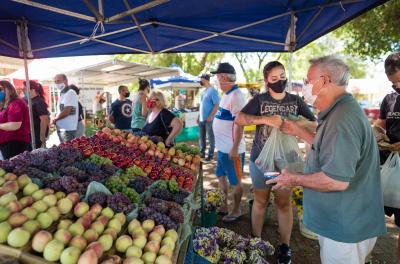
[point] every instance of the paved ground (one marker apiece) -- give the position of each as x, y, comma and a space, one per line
305, 251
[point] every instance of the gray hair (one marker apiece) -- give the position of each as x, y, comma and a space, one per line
335, 67
231, 77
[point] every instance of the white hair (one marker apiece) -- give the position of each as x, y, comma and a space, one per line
231, 77
335, 67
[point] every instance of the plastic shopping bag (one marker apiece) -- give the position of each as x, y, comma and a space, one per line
280, 151
390, 177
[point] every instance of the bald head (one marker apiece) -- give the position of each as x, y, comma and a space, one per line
61, 78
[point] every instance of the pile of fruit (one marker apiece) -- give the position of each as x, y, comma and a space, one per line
146, 243
61, 228
41, 208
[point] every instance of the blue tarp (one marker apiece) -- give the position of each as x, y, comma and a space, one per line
172, 26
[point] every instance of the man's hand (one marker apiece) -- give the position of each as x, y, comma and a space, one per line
286, 180
274, 121
289, 127
209, 118
233, 153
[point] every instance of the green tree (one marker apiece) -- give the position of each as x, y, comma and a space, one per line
327, 45
251, 64
192, 63
374, 33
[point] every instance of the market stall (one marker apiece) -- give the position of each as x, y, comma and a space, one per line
110, 196
35, 29
182, 92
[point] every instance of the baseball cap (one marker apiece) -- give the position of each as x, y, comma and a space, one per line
224, 67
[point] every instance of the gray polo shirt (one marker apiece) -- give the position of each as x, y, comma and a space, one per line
345, 149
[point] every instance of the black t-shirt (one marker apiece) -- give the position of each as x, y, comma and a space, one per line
265, 105
161, 125
39, 108
390, 111
80, 114
122, 112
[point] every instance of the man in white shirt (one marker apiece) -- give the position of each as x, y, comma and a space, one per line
66, 120
229, 139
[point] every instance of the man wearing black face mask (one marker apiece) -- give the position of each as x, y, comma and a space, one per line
389, 119
121, 110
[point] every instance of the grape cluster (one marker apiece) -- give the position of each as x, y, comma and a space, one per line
69, 183
114, 184
131, 194
171, 209
98, 197
49, 165
162, 194
81, 176
180, 197
109, 169
119, 203
33, 172
54, 183
176, 215
7, 165
159, 218
140, 184
99, 160
82, 187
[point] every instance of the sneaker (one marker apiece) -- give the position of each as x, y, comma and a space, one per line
284, 254
209, 159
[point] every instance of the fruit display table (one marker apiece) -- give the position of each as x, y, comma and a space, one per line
110, 198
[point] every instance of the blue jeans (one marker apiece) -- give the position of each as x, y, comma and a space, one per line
206, 129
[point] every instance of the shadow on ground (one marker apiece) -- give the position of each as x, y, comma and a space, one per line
304, 250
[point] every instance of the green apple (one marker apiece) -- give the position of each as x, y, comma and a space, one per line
53, 250
70, 255
5, 229
18, 238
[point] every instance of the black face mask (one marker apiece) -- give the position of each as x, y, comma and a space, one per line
127, 94
396, 89
278, 87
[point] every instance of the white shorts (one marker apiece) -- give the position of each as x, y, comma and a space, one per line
334, 252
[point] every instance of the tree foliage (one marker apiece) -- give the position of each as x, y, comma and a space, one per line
373, 34
192, 63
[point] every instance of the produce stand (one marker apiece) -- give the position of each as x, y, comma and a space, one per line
116, 163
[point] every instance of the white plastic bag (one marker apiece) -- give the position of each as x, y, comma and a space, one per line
280, 151
390, 177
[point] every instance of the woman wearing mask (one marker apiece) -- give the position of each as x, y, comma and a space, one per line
14, 122
41, 119
266, 110
161, 122
139, 105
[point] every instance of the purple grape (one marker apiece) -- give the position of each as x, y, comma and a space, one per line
98, 197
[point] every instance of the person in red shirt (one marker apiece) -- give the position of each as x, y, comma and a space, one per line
14, 122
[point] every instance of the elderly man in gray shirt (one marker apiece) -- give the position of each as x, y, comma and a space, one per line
343, 201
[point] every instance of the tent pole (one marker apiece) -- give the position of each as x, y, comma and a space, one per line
24, 41
292, 37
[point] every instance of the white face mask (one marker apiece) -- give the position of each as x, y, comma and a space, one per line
60, 86
307, 93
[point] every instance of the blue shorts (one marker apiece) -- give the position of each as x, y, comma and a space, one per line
233, 169
257, 177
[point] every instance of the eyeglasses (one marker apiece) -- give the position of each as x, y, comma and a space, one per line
307, 81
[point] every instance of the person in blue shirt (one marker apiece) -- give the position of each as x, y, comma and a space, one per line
121, 110
208, 108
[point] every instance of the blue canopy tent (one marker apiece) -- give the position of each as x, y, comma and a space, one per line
56, 28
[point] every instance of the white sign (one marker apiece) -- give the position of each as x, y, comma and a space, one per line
191, 119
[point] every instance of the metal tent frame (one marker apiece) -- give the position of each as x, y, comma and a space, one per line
98, 18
